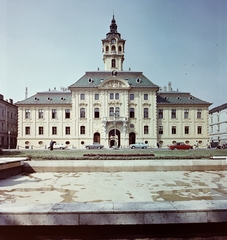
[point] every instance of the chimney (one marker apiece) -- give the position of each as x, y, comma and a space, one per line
26, 93
169, 86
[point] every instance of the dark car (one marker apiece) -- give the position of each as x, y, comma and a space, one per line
95, 145
180, 146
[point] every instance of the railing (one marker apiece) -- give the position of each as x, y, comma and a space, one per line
113, 119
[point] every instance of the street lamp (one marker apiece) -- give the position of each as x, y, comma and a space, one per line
9, 140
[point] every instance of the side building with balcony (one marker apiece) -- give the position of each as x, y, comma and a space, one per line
218, 125
8, 123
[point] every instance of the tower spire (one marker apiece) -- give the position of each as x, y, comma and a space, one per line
113, 49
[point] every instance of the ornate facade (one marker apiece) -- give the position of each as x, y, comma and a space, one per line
112, 107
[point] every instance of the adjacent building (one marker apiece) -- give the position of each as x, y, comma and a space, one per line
8, 123
218, 125
113, 107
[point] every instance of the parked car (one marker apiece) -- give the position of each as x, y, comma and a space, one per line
180, 146
59, 146
95, 145
139, 145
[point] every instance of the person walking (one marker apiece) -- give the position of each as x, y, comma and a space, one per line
51, 145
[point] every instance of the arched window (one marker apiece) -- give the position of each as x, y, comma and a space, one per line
107, 48
119, 48
113, 63
113, 49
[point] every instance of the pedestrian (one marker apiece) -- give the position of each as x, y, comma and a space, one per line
51, 145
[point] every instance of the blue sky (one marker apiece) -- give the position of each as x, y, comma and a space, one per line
51, 43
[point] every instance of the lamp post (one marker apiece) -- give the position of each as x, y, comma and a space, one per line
9, 140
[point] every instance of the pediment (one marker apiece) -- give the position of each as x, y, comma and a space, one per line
114, 83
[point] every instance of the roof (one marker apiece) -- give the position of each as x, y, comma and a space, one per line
181, 98
48, 98
94, 79
218, 108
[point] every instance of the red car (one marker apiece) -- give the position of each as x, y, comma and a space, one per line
180, 146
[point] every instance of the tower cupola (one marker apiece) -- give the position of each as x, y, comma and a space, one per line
113, 49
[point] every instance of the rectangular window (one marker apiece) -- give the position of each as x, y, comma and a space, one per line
160, 113
82, 129
82, 113
40, 113
67, 113
27, 130
54, 130
117, 112
54, 113
145, 96
27, 113
186, 130
186, 113
131, 96
173, 113
132, 112
96, 96
160, 129
199, 130
146, 130
199, 113
145, 112
96, 112
40, 130
111, 111
174, 130
67, 130
82, 96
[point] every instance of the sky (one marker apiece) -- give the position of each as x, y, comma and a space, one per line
47, 44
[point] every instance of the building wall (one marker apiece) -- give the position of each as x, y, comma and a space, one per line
180, 122
8, 123
218, 125
35, 139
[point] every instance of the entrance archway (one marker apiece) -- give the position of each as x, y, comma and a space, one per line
113, 138
96, 137
132, 138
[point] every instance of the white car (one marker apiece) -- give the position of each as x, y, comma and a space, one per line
139, 145
59, 146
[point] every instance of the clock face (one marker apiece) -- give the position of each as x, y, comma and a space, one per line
113, 40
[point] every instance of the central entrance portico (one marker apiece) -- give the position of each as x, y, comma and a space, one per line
114, 138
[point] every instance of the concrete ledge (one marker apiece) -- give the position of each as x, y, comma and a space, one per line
124, 165
10, 167
115, 213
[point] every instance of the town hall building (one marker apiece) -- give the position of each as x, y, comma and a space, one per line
112, 107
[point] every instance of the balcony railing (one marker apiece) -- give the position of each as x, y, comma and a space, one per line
115, 119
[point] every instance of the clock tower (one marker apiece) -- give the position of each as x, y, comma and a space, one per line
113, 49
